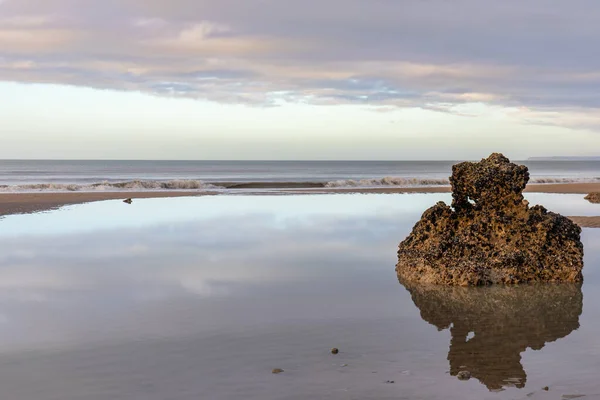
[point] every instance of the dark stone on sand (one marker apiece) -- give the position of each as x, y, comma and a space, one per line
464, 375
128, 201
546, 388
277, 371
593, 197
334, 351
490, 235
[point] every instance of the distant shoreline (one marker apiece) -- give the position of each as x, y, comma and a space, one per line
563, 158
23, 203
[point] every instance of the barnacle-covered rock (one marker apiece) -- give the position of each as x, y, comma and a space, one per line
490, 234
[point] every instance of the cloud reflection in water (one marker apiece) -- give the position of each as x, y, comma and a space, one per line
222, 288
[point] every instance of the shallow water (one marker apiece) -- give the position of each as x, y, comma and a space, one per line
200, 298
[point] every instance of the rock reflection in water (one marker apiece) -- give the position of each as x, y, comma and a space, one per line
492, 326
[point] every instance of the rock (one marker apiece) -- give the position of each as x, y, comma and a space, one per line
390, 381
277, 371
593, 197
546, 388
128, 201
490, 235
334, 351
464, 375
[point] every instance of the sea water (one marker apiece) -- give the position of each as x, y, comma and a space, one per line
90, 175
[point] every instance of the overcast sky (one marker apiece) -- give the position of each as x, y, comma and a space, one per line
289, 79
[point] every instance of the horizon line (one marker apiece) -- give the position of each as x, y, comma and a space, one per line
289, 160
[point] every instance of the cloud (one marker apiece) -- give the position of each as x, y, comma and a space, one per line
148, 22
412, 53
202, 31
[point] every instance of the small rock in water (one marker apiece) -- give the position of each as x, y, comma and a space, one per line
464, 375
334, 350
277, 371
128, 201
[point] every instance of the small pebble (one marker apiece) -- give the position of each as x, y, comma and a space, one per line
128, 201
334, 350
546, 388
464, 375
277, 371
390, 381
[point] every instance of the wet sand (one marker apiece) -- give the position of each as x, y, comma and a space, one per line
587, 222
18, 203
21, 203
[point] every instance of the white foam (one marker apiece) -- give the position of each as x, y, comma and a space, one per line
387, 181
403, 181
563, 180
136, 185
181, 184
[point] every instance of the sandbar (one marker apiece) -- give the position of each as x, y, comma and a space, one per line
18, 203
587, 222
23, 203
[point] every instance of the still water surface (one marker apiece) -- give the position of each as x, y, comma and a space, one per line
200, 298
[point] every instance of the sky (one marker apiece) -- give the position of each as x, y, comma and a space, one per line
289, 79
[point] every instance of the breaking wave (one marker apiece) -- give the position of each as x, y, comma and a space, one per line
402, 181
387, 181
110, 186
564, 180
180, 184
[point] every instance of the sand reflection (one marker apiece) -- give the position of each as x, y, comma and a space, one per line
492, 326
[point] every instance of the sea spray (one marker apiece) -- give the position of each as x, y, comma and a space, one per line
193, 184
403, 181
136, 185
387, 181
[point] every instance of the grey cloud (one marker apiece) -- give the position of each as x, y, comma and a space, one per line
402, 53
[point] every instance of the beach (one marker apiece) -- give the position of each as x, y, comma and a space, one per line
11, 203
203, 296
299, 200
224, 279
586, 222
19, 203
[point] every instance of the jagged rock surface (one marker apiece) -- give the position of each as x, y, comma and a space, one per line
490, 234
593, 197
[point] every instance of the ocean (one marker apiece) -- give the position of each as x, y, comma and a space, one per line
93, 175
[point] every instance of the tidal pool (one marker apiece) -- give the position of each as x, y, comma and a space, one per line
200, 298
